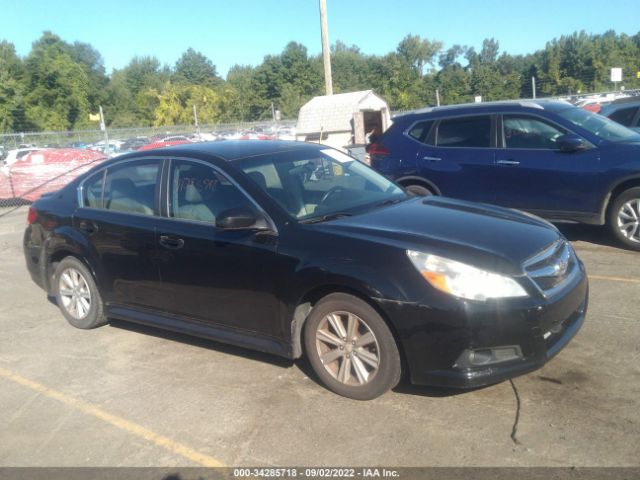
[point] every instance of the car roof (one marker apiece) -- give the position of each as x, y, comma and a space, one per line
229, 150
624, 100
480, 107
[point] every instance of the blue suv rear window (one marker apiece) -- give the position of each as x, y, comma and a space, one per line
465, 132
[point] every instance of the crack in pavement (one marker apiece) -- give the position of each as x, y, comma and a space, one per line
514, 429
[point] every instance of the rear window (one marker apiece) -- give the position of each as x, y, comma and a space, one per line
420, 131
465, 132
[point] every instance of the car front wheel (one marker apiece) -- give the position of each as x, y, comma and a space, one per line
418, 191
351, 348
624, 218
77, 295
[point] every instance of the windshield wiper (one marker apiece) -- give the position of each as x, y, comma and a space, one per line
325, 218
391, 201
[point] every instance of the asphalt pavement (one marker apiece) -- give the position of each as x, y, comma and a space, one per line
125, 395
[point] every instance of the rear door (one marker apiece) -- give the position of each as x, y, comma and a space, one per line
117, 217
458, 155
531, 172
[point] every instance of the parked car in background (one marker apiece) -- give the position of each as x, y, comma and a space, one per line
546, 157
286, 133
625, 111
161, 144
45, 170
173, 138
132, 144
292, 248
12, 156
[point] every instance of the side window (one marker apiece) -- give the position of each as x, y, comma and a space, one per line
131, 187
624, 116
465, 132
522, 131
92, 190
420, 131
199, 192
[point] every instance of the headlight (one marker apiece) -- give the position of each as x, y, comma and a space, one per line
463, 280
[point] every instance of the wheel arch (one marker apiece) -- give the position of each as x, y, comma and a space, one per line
55, 257
415, 180
615, 192
317, 293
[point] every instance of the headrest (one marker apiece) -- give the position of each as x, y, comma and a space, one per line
259, 178
192, 194
123, 187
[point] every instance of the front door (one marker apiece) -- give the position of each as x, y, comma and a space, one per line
212, 275
531, 173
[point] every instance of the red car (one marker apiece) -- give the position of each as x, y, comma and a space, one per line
45, 171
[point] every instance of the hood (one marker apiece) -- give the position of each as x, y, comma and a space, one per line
489, 237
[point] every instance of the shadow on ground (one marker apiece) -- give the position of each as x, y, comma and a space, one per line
598, 235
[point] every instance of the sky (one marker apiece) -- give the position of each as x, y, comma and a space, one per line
244, 31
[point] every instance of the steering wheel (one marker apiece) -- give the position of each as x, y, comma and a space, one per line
331, 192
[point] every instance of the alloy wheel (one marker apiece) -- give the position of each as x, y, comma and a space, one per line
74, 293
347, 348
629, 220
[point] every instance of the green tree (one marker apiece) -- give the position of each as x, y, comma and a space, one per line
351, 70
57, 86
196, 69
418, 52
12, 108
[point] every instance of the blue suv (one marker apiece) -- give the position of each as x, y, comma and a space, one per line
550, 158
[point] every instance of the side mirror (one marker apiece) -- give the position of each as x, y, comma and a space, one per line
571, 143
239, 218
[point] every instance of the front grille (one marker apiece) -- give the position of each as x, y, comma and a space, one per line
551, 269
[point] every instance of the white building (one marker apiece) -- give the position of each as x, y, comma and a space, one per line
342, 120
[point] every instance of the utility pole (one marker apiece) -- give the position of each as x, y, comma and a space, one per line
437, 98
326, 54
195, 119
103, 127
533, 86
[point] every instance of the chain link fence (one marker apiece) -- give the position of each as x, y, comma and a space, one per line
34, 163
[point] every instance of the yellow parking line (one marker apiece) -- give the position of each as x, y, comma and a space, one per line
119, 422
615, 279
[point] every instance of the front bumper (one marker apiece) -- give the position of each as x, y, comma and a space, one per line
435, 336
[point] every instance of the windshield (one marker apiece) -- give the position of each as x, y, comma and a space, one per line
598, 125
321, 183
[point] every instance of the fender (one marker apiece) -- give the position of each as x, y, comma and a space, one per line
312, 282
66, 239
621, 184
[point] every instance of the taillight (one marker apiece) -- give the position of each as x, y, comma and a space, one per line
32, 216
377, 149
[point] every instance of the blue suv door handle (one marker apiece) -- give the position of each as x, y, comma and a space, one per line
432, 159
508, 162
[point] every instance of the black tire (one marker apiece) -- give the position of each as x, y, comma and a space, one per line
359, 384
618, 213
416, 190
77, 295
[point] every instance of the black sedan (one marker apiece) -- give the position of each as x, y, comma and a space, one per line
295, 248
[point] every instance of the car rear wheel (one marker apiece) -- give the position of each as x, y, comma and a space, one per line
77, 295
351, 348
624, 218
418, 190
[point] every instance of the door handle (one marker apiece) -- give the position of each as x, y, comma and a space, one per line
508, 162
172, 243
431, 159
88, 227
